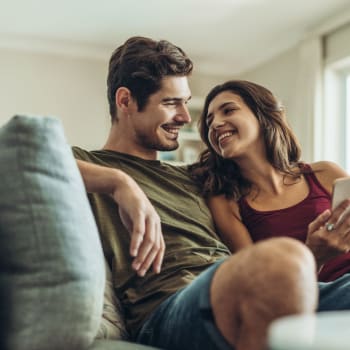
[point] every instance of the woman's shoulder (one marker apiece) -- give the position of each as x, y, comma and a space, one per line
326, 172
221, 203
328, 167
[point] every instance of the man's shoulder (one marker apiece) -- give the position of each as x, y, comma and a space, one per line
88, 156
79, 153
95, 156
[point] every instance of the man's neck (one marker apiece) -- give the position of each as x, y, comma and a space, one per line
118, 142
130, 149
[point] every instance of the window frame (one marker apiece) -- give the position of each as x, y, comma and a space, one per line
335, 145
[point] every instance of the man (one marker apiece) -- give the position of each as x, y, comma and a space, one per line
200, 296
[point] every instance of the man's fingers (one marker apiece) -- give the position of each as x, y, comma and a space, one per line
147, 262
158, 261
137, 236
142, 222
151, 250
145, 247
156, 254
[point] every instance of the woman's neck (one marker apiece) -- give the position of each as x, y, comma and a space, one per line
263, 176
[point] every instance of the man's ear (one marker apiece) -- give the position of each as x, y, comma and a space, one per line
123, 99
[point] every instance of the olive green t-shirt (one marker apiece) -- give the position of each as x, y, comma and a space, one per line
191, 242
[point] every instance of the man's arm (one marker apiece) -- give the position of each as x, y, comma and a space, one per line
136, 211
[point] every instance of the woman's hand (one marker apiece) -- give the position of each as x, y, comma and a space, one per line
329, 234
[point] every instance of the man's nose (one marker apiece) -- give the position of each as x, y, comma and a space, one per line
183, 115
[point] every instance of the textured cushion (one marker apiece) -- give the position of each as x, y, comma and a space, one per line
112, 325
118, 345
52, 273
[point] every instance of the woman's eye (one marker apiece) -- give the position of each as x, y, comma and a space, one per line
229, 110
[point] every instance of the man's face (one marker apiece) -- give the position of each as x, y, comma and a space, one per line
156, 127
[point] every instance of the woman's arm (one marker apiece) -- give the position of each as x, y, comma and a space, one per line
324, 244
228, 223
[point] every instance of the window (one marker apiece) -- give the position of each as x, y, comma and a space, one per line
335, 135
335, 132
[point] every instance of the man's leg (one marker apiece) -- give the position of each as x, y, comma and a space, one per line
335, 295
185, 321
276, 277
232, 303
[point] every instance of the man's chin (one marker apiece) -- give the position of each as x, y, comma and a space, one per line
168, 147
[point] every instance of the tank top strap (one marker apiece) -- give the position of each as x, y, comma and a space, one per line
243, 206
314, 185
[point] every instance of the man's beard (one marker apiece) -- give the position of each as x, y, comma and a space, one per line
150, 142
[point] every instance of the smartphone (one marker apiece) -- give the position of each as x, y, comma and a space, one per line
341, 191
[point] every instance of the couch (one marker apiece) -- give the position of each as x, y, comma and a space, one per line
52, 268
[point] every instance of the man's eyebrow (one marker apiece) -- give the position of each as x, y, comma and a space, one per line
175, 99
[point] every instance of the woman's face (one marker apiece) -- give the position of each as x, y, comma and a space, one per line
233, 129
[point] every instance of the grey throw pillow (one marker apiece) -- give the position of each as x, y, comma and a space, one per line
52, 273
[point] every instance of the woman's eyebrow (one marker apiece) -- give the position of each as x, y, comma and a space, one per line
221, 107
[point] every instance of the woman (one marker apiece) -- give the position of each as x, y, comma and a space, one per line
252, 175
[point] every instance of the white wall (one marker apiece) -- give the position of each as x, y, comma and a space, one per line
72, 89
278, 74
282, 76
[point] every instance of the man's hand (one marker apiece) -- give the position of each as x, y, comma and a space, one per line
136, 211
329, 234
143, 223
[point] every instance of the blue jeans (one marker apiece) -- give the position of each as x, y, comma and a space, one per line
185, 320
334, 295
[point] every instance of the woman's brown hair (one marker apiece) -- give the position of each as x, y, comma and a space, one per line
217, 175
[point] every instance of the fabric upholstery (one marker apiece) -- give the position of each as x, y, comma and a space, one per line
118, 345
112, 325
52, 274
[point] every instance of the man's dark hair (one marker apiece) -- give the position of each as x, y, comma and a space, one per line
140, 64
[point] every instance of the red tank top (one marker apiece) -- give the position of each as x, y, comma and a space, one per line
293, 222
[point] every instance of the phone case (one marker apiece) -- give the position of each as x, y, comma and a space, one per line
341, 191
